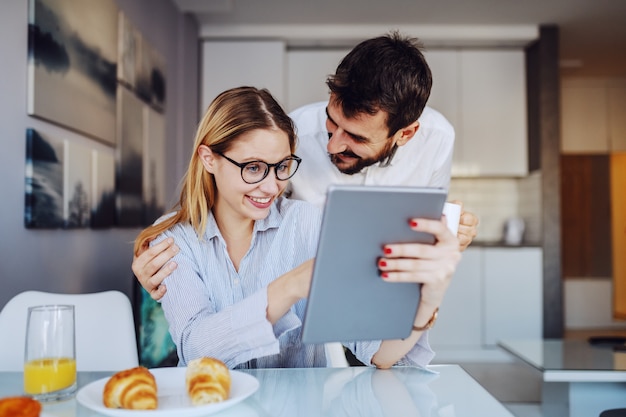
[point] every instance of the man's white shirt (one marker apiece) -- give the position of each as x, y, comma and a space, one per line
425, 160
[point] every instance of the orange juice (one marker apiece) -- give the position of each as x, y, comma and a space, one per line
49, 375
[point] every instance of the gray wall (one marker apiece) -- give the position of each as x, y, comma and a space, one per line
77, 261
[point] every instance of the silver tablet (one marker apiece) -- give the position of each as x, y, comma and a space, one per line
348, 300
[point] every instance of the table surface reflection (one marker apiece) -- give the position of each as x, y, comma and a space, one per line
446, 391
569, 360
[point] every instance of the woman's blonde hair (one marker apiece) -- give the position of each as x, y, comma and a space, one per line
231, 114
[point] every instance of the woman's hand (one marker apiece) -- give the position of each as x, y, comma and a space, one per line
151, 266
422, 263
288, 289
432, 266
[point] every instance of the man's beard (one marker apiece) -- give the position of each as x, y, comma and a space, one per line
385, 155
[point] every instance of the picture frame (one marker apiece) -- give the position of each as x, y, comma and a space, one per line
72, 65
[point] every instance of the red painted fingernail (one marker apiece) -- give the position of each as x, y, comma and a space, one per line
413, 223
382, 263
388, 251
384, 275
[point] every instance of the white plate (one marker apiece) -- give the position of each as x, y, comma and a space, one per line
173, 398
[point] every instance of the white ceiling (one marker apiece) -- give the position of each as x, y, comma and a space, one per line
592, 32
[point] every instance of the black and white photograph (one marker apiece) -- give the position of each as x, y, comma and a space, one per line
154, 164
43, 208
129, 173
77, 201
128, 42
103, 190
150, 77
72, 65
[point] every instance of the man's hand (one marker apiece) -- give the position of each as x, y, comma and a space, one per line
151, 266
468, 227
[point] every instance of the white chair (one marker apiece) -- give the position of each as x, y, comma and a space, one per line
335, 355
105, 329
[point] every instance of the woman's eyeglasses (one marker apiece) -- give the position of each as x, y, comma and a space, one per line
256, 171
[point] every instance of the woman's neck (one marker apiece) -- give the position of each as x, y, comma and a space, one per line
237, 233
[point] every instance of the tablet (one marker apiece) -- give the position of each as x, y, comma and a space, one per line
348, 300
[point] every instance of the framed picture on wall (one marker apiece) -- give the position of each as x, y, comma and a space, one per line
44, 178
129, 173
77, 196
72, 64
103, 186
154, 164
150, 77
128, 44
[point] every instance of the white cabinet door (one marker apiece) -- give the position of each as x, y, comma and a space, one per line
307, 71
513, 288
493, 128
445, 93
459, 324
584, 110
228, 64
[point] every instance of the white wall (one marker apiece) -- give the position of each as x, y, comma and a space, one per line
83, 260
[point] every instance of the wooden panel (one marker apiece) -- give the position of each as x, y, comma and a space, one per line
618, 217
585, 216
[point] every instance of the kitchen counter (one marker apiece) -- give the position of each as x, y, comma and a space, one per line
500, 244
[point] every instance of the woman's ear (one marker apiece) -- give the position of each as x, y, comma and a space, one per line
207, 157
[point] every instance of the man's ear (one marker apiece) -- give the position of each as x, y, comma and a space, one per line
407, 133
207, 157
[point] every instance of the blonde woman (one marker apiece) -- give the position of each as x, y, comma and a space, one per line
245, 253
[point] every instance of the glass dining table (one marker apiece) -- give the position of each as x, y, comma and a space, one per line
442, 391
579, 379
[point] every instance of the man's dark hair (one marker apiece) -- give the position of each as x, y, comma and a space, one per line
386, 73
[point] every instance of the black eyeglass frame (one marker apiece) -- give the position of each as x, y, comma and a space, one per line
242, 165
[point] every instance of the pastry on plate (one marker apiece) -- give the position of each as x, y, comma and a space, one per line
19, 407
207, 380
132, 389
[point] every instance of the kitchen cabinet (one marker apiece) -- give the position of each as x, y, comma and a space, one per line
307, 70
513, 294
495, 294
483, 95
445, 92
493, 128
482, 92
460, 314
228, 64
592, 115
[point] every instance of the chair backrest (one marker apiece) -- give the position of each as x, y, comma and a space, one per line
156, 348
105, 330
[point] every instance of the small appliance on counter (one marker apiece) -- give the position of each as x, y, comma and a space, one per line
514, 231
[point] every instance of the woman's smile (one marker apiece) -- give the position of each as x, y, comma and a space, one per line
260, 202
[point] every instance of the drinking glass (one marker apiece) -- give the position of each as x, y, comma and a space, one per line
50, 354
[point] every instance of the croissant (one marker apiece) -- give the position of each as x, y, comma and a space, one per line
133, 389
19, 407
208, 381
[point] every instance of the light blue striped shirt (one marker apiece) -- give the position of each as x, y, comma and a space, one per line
215, 310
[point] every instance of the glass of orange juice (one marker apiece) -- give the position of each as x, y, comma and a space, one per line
50, 354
